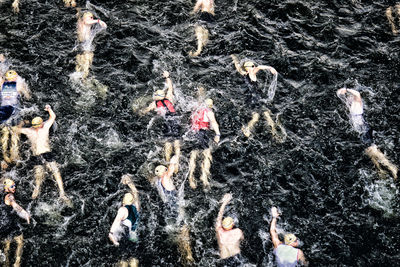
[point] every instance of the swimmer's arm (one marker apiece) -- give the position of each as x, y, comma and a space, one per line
263, 67
237, 65
301, 258
18, 209
170, 91
274, 235
214, 125
172, 166
225, 201
356, 94
196, 8
51, 119
121, 215
151, 107
24, 89
135, 194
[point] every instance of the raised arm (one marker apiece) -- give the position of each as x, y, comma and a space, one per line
52, 117
225, 200
263, 67
214, 125
151, 107
237, 65
197, 6
90, 21
170, 90
23, 89
272, 230
172, 166
121, 215
10, 200
127, 179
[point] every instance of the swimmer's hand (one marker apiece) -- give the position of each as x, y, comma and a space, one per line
113, 240
272, 70
234, 58
166, 74
47, 107
102, 24
274, 212
174, 160
2, 58
15, 6
227, 198
126, 179
341, 91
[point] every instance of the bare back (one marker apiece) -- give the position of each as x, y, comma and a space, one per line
229, 242
39, 138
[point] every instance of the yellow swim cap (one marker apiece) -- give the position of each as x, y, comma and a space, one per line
209, 102
37, 122
248, 64
160, 170
8, 183
128, 199
87, 14
290, 238
159, 94
227, 223
11, 74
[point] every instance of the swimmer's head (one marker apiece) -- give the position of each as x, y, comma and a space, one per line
209, 102
160, 170
9, 185
128, 199
37, 122
11, 75
290, 239
88, 15
248, 65
227, 223
159, 95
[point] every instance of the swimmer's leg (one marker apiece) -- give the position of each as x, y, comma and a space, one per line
378, 158
15, 6
184, 245
167, 151
177, 148
122, 263
279, 137
83, 63
4, 143
247, 129
39, 178
7, 244
205, 169
18, 252
14, 150
202, 39
133, 262
390, 18
192, 168
52, 166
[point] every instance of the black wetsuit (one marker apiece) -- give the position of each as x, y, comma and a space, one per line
172, 127
252, 93
9, 222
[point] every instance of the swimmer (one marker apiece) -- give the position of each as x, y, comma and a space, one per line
228, 238
391, 18
132, 262
9, 226
38, 136
202, 121
85, 25
165, 184
207, 15
354, 102
15, 6
70, 3
253, 93
12, 87
85, 37
286, 254
164, 105
128, 215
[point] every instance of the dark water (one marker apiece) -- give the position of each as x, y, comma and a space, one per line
328, 190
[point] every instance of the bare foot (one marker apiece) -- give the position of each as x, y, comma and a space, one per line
246, 131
